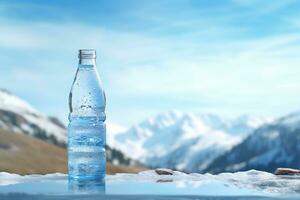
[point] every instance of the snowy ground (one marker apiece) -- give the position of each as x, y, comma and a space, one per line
251, 184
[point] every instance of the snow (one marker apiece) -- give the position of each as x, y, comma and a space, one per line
51, 128
11, 103
236, 167
9, 179
276, 145
195, 139
259, 181
290, 120
249, 183
272, 135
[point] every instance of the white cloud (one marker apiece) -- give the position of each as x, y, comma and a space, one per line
230, 72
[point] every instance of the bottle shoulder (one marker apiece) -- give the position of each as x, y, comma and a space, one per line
87, 96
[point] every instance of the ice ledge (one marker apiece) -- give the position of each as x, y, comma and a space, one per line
254, 180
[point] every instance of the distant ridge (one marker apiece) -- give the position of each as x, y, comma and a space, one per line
271, 146
183, 141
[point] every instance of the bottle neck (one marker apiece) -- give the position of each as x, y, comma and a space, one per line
84, 62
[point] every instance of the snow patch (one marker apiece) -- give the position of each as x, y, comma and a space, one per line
256, 182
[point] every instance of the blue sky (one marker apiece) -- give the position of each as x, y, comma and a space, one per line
225, 56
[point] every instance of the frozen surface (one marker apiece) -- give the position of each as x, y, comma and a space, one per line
249, 185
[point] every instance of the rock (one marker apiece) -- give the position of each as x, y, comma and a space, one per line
163, 171
164, 181
287, 171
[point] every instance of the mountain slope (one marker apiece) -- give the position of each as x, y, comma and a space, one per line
23, 154
18, 116
182, 141
269, 147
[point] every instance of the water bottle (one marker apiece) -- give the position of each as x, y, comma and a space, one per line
86, 130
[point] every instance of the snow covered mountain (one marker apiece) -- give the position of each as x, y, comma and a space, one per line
183, 141
270, 146
18, 116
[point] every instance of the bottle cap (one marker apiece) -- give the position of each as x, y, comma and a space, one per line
87, 53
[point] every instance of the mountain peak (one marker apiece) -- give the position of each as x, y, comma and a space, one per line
19, 116
13, 103
173, 137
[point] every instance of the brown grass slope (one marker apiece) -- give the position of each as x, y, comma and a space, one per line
23, 154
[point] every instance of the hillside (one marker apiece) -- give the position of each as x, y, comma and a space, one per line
23, 154
18, 116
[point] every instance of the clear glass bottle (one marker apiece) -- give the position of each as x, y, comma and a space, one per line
86, 130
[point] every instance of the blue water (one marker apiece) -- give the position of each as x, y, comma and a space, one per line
86, 130
86, 149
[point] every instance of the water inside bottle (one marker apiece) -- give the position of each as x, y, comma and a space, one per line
86, 130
